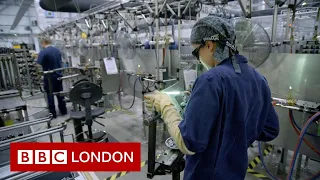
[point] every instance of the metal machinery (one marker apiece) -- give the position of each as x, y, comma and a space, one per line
28, 70
10, 79
149, 42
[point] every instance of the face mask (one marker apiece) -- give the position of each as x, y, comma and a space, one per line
204, 64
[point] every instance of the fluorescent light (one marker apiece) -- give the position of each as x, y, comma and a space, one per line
15, 34
304, 3
87, 23
104, 24
173, 93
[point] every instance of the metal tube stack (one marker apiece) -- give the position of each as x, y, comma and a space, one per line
8, 70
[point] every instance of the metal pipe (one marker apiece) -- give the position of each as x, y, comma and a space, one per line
24, 175
170, 63
144, 17
179, 30
288, 23
242, 8
171, 10
157, 40
274, 24
8, 71
164, 5
27, 136
152, 144
151, 80
168, 80
298, 172
50, 136
28, 71
149, 8
59, 129
186, 8
24, 124
268, 3
12, 73
125, 21
67, 77
3, 74
61, 136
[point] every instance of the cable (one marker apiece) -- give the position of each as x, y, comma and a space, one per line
303, 132
134, 96
315, 177
262, 161
298, 133
295, 123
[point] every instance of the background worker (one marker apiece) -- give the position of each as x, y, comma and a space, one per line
229, 108
50, 58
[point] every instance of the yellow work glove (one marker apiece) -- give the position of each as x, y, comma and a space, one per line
162, 103
157, 101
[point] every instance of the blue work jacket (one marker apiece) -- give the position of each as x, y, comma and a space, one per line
226, 113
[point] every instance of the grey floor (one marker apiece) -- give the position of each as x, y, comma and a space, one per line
126, 126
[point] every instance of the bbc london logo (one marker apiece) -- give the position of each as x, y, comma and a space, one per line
75, 157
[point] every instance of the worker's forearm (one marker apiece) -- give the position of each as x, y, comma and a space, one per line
172, 119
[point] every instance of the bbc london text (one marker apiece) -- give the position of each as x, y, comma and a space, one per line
62, 157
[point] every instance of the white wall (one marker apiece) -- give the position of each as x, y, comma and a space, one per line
35, 12
7, 16
45, 21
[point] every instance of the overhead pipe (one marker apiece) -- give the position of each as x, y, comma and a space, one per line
157, 40
126, 22
268, 3
186, 8
274, 24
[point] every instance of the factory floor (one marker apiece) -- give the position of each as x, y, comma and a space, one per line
126, 126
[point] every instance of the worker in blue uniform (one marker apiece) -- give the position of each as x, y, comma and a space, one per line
230, 107
50, 58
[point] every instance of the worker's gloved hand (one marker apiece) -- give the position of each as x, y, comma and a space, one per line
157, 101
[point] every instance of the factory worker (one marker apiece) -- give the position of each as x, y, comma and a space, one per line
229, 108
50, 58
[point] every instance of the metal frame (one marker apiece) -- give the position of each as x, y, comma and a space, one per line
35, 135
170, 161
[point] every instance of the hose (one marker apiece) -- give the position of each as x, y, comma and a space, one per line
298, 133
296, 125
262, 161
303, 132
134, 96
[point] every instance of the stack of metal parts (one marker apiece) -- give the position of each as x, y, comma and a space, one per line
22, 132
9, 79
28, 70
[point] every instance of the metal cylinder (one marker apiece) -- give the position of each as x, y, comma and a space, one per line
12, 73
3, 74
24, 124
30, 136
274, 24
157, 40
8, 72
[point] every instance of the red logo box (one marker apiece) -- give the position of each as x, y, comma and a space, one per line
62, 157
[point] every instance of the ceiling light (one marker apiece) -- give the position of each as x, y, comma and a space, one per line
87, 23
104, 24
304, 3
15, 34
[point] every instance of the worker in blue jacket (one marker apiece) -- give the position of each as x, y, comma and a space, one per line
230, 107
50, 58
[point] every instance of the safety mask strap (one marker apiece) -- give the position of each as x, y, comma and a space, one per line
232, 51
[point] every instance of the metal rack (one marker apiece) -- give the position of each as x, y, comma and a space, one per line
9, 71
27, 70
